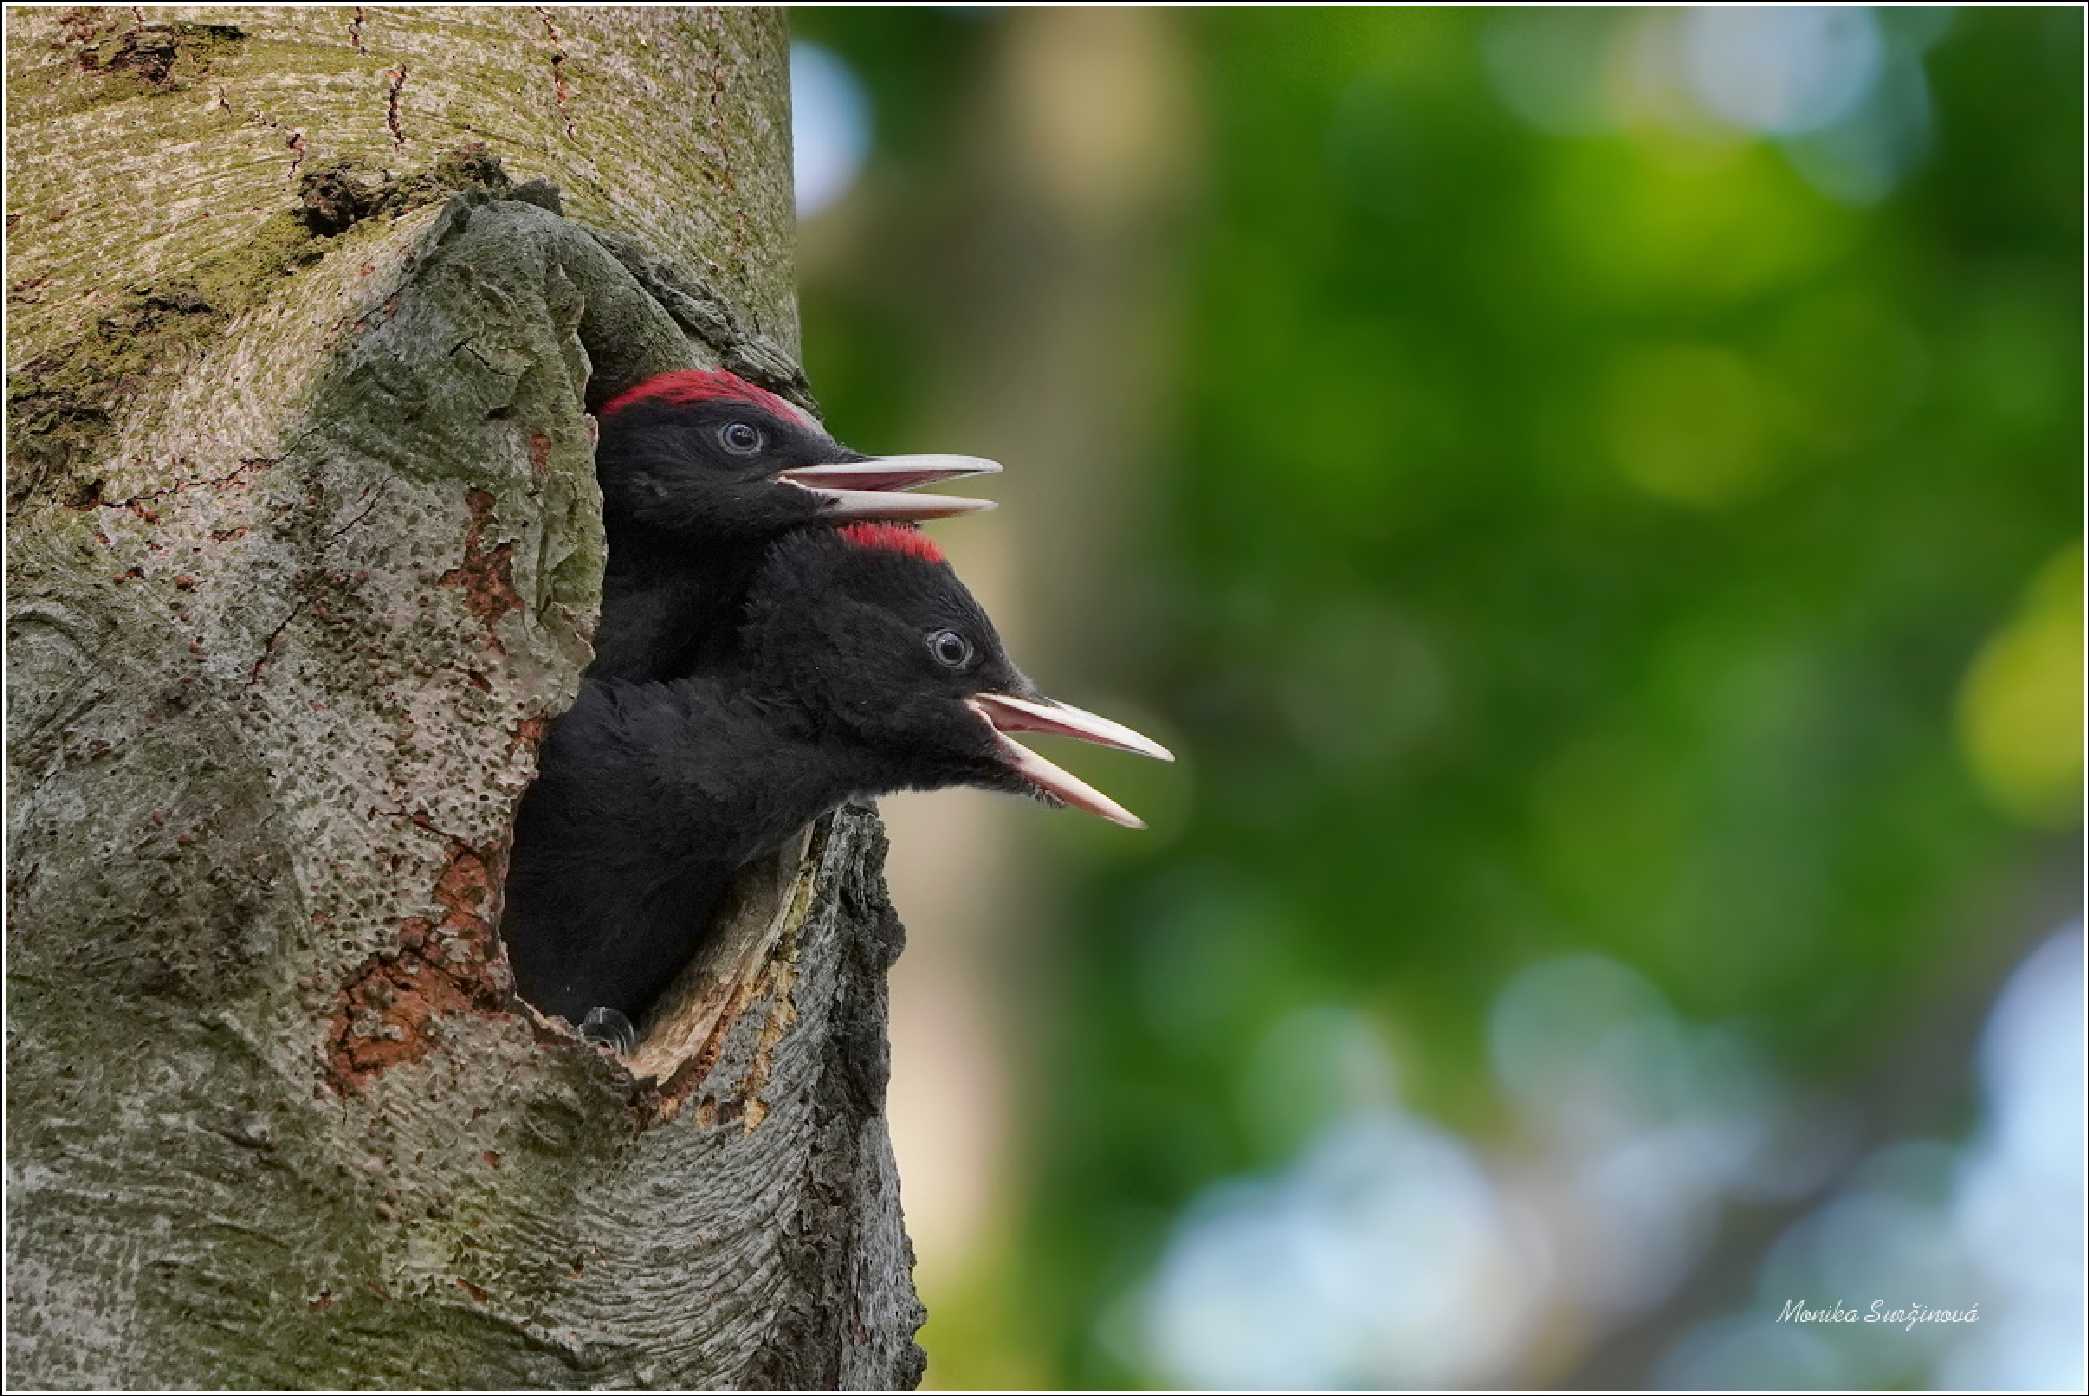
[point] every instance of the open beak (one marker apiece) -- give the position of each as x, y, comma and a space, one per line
1005, 713
869, 489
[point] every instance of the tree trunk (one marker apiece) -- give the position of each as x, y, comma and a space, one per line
304, 550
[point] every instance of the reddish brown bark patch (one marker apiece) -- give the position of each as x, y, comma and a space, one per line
388, 1012
486, 575
527, 732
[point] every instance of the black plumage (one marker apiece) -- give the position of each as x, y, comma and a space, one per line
700, 471
863, 666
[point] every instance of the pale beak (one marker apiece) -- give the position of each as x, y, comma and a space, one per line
868, 489
1005, 713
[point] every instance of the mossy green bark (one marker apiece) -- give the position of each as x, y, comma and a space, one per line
305, 551
159, 148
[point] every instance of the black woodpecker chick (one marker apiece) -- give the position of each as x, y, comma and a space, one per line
863, 667
700, 471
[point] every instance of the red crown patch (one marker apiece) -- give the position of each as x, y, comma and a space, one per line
685, 386
892, 538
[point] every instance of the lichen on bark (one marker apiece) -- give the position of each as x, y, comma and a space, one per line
302, 564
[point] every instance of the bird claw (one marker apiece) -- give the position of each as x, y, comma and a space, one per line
605, 1027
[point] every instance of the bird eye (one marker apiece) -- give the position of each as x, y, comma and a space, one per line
950, 649
740, 438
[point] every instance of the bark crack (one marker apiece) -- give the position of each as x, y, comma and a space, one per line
268, 648
379, 490
397, 81
295, 141
140, 504
421, 820
561, 93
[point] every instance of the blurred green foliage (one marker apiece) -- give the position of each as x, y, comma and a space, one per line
1591, 538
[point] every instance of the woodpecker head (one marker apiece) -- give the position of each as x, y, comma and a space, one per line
867, 630
708, 453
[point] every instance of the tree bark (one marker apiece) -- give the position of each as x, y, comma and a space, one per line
304, 551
